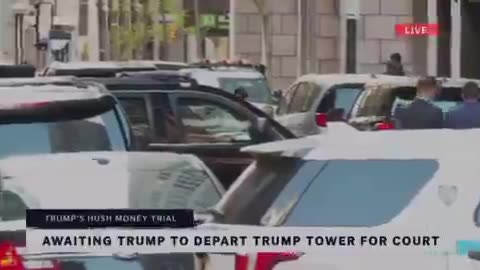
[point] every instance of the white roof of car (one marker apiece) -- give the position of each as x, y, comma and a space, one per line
44, 93
328, 80
227, 72
395, 144
100, 65
89, 180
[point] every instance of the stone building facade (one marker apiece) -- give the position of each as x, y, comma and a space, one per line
376, 38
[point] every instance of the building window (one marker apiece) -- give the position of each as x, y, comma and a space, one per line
83, 23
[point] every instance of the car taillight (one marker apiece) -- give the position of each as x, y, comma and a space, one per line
321, 119
265, 260
9, 257
385, 126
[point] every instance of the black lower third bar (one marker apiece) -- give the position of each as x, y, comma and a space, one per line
111, 218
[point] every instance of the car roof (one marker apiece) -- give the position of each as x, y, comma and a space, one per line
328, 80
224, 72
46, 89
395, 144
32, 176
412, 82
100, 65
158, 75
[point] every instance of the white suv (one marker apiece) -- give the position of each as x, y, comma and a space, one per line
386, 183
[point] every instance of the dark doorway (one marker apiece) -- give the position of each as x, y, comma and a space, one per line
443, 41
470, 40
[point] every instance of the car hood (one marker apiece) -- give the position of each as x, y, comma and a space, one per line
85, 180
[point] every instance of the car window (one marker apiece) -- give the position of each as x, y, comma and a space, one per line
12, 206
286, 100
340, 97
99, 133
207, 121
136, 109
302, 99
257, 89
258, 187
183, 185
361, 193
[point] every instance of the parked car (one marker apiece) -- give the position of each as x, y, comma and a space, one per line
375, 107
358, 183
17, 71
233, 77
57, 115
200, 120
95, 69
311, 101
105, 180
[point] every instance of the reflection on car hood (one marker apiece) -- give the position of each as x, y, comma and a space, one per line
85, 179
267, 108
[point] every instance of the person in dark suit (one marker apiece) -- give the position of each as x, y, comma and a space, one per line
421, 113
467, 114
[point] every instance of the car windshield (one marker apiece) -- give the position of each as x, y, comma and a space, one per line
257, 89
346, 193
98, 133
143, 262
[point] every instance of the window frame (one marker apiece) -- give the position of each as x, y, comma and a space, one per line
223, 102
83, 20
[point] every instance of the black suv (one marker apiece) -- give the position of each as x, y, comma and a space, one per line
188, 118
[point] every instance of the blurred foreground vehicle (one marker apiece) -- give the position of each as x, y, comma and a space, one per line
313, 100
358, 185
95, 69
183, 117
235, 77
20, 259
57, 116
17, 71
375, 107
103, 180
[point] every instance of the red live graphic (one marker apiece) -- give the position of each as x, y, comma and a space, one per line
417, 29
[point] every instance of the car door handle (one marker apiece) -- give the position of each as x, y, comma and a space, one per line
474, 255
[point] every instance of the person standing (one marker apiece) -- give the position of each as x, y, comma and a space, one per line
421, 113
467, 114
395, 66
